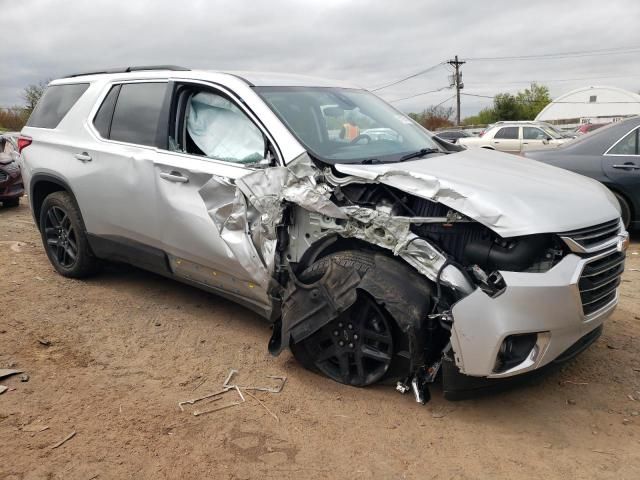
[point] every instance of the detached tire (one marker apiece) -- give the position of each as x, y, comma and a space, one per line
358, 348
625, 210
64, 237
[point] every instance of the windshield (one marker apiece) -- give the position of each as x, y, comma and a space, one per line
552, 132
340, 125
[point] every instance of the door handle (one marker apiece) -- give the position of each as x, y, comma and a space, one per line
627, 166
83, 157
174, 176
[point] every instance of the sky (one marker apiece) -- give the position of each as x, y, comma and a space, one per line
369, 43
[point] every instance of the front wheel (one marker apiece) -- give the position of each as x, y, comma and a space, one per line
64, 237
358, 347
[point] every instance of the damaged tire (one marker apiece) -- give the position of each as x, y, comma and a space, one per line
360, 346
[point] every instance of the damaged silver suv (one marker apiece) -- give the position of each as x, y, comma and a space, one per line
377, 251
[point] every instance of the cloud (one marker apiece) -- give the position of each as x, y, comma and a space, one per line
369, 43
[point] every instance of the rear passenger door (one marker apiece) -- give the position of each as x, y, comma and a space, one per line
117, 190
507, 139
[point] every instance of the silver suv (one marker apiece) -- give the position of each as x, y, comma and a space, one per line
375, 257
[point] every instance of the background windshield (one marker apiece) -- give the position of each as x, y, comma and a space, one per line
340, 125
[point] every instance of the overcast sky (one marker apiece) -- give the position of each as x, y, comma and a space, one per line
370, 43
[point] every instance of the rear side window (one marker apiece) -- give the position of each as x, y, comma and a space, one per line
628, 145
102, 121
510, 133
55, 104
137, 113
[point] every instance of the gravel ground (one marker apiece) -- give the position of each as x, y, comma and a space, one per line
110, 358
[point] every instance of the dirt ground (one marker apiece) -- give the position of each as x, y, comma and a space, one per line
111, 357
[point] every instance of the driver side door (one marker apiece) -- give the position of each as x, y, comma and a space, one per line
213, 141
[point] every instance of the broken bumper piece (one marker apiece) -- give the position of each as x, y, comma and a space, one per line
540, 313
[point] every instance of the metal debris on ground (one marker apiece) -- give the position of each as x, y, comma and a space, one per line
227, 387
3, 389
44, 341
64, 440
7, 372
24, 377
34, 428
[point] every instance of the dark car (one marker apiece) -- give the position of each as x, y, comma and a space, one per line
610, 155
11, 186
452, 135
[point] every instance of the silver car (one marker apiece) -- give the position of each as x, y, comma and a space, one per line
516, 137
375, 257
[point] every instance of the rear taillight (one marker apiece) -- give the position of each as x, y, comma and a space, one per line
23, 142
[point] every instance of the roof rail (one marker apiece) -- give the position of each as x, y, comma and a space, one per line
131, 69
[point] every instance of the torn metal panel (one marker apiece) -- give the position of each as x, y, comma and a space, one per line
308, 307
378, 227
227, 207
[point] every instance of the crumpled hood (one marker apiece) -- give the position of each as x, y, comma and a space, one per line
5, 158
509, 194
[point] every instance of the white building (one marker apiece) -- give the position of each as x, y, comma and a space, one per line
591, 105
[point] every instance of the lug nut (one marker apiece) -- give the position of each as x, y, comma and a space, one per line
351, 345
355, 336
341, 343
340, 325
336, 333
350, 327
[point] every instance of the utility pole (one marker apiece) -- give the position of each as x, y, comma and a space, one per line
458, 84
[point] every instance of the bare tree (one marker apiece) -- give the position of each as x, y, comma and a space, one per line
32, 93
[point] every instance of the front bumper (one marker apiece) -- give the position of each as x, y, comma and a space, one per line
548, 304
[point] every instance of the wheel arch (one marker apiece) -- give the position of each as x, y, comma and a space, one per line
627, 198
43, 184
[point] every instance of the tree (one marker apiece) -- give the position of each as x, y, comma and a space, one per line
32, 94
533, 100
434, 117
524, 105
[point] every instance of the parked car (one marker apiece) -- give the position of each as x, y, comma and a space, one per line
375, 258
536, 123
588, 127
514, 138
610, 155
452, 135
11, 186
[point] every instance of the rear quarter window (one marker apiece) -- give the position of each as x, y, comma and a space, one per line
55, 104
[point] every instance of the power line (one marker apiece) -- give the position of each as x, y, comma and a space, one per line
419, 94
552, 56
433, 67
445, 101
554, 80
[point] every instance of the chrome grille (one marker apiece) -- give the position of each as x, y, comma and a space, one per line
599, 280
592, 238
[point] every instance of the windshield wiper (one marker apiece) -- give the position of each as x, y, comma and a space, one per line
419, 153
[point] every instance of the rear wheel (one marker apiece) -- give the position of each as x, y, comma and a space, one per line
357, 348
625, 210
64, 237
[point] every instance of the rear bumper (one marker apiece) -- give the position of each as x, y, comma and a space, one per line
457, 386
11, 184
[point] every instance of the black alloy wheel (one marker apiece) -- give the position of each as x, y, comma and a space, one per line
64, 237
60, 237
357, 347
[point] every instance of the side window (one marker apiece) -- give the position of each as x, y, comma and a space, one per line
628, 145
215, 127
55, 104
102, 120
508, 133
137, 113
532, 133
